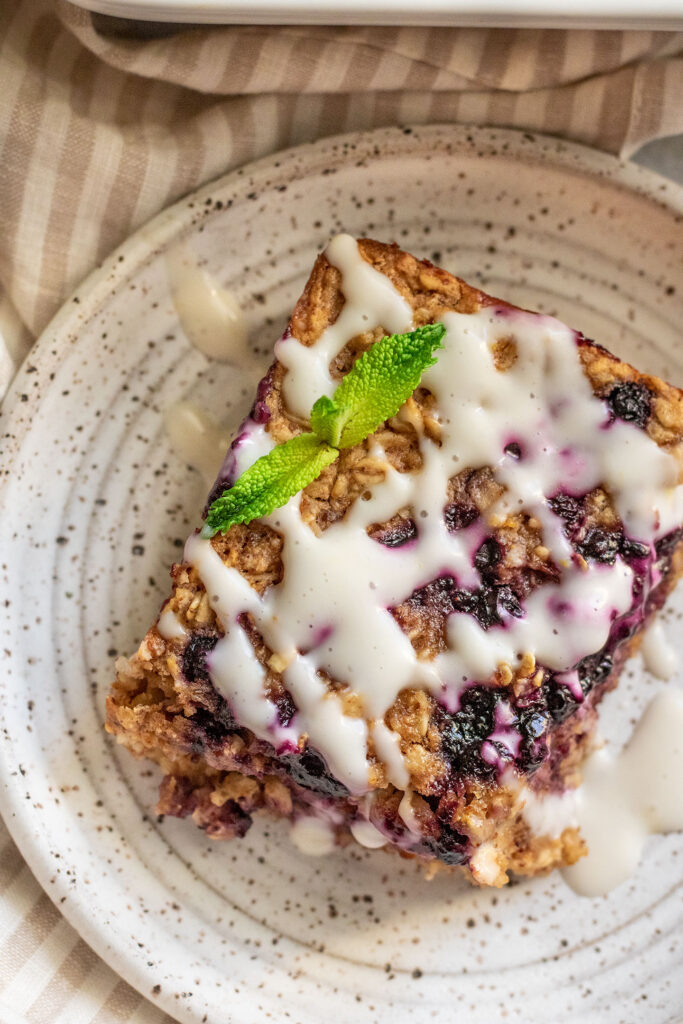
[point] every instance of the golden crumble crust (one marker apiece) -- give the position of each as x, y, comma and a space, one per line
220, 774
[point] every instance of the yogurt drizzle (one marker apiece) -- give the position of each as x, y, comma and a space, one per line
209, 314
341, 585
624, 798
196, 438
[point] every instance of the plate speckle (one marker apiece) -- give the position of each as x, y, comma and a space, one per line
96, 506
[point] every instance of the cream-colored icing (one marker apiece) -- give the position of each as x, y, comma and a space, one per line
209, 314
170, 626
407, 814
388, 750
375, 302
312, 836
625, 798
333, 602
659, 656
365, 833
196, 438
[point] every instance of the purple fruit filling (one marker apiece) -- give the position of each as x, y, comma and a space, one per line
451, 846
213, 726
260, 413
600, 545
309, 770
488, 555
458, 515
194, 656
487, 604
286, 708
464, 732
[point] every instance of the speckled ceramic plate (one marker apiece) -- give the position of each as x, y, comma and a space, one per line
96, 507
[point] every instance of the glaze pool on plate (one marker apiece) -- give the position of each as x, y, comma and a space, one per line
100, 508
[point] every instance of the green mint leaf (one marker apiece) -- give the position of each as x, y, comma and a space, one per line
270, 482
325, 420
376, 386
373, 390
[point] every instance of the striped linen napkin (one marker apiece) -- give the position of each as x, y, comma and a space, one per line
103, 124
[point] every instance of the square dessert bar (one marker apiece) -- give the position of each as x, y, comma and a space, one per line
412, 651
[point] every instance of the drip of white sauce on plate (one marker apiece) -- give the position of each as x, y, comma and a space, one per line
312, 836
331, 612
365, 834
209, 314
625, 798
196, 438
659, 657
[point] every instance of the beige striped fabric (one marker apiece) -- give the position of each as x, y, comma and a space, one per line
99, 132
48, 975
103, 124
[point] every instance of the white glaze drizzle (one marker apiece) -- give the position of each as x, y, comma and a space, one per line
408, 815
209, 314
196, 438
659, 657
365, 834
374, 303
170, 626
333, 602
312, 836
625, 798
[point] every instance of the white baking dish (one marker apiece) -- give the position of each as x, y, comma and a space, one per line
660, 14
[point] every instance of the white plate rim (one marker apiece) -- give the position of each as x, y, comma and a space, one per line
119, 267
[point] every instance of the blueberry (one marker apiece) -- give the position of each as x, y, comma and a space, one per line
485, 608
594, 670
194, 656
509, 601
463, 732
488, 556
485, 602
286, 708
442, 597
633, 549
481, 603
533, 723
600, 545
566, 507
458, 515
310, 771
513, 450
560, 701
437, 596
396, 534
630, 401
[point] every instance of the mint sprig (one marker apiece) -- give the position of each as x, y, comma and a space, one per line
372, 391
376, 387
